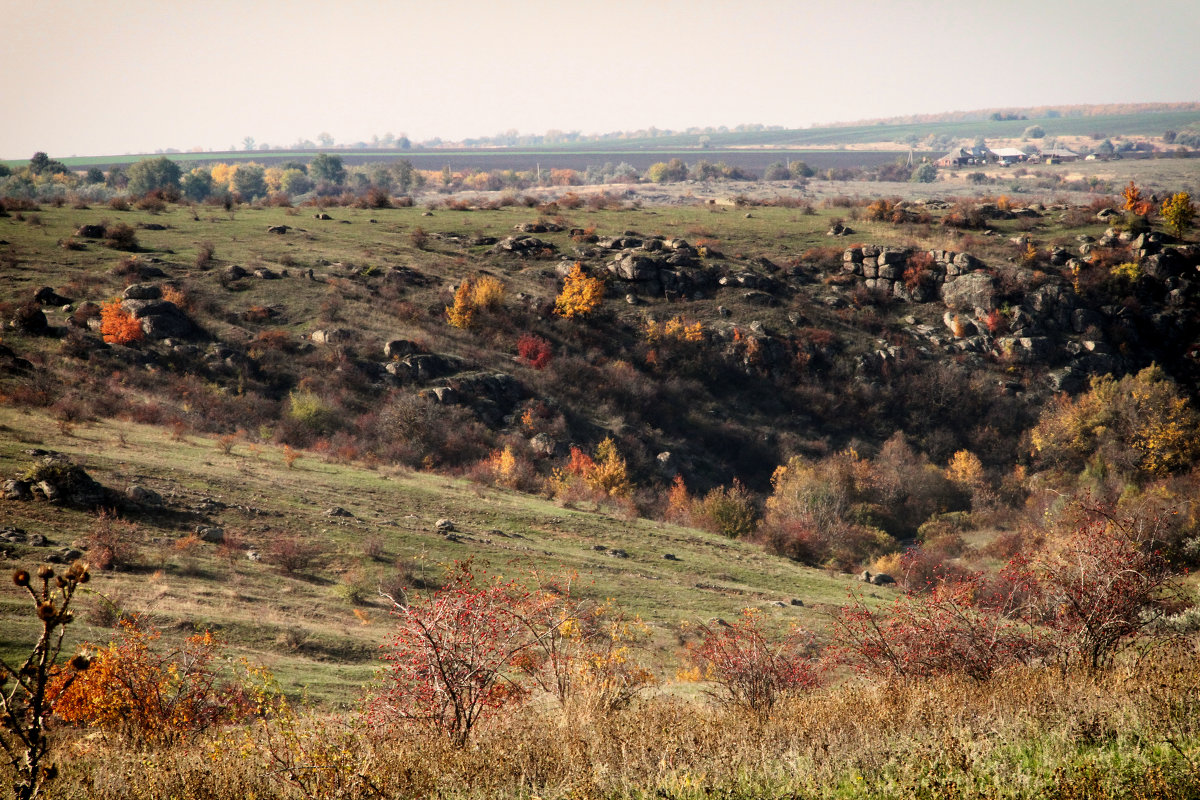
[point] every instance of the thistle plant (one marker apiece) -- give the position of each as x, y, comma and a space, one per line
25, 705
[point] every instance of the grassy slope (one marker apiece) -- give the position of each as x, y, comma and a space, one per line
302, 625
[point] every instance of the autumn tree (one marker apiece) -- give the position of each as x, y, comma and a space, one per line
581, 294
1135, 202
146, 692
1142, 426
118, 326
461, 313
1178, 212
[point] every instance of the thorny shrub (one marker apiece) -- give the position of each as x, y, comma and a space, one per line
749, 668
451, 661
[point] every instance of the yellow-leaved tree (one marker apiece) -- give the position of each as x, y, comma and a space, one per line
1141, 426
1178, 212
581, 295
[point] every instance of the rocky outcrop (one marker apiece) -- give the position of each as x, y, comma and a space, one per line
57, 480
968, 292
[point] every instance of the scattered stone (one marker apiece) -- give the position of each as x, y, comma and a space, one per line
543, 444
210, 534
140, 494
279, 229
670, 557
444, 525
46, 296
337, 511
17, 490
882, 579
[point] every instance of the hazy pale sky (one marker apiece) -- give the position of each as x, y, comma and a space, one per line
87, 77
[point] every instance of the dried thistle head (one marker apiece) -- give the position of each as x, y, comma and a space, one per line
45, 572
45, 611
80, 662
21, 577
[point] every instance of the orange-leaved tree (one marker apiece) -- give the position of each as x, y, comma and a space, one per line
1135, 202
461, 313
146, 692
117, 325
581, 294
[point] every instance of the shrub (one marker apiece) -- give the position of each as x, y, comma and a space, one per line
451, 661
581, 295
146, 693
751, 670
118, 326
1102, 584
121, 237
585, 653
729, 511
534, 350
419, 238
292, 554
487, 293
204, 255
111, 542
461, 313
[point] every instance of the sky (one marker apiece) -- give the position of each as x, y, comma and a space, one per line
106, 77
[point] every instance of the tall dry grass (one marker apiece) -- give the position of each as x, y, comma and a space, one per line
1133, 731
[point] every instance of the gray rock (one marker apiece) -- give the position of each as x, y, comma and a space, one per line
142, 291
444, 525
543, 445
140, 494
210, 534
631, 267
330, 336
882, 579
17, 490
971, 291
337, 511
398, 348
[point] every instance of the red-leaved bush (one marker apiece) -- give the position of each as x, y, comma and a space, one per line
452, 657
534, 350
748, 667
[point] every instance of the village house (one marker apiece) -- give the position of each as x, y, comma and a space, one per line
1009, 155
